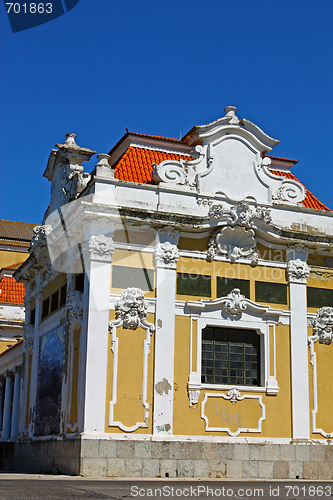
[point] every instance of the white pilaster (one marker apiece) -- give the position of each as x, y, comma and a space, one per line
298, 270
16, 403
7, 414
94, 336
166, 258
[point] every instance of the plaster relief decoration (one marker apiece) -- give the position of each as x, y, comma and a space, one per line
234, 243
75, 310
194, 395
232, 412
131, 313
323, 333
241, 214
40, 235
166, 253
100, 248
298, 271
235, 303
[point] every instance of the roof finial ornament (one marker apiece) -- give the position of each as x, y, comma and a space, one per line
230, 113
70, 139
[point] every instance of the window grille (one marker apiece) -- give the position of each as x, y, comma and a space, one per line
230, 356
125, 277
54, 301
275, 293
193, 284
319, 297
226, 285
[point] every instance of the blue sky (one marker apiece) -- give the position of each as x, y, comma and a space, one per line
161, 68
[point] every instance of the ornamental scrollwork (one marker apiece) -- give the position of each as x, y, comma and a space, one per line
194, 395
234, 395
74, 306
290, 192
323, 325
234, 303
298, 271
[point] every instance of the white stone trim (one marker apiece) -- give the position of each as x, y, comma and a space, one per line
232, 396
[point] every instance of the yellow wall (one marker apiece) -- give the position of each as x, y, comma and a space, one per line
188, 421
4, 344
129, 409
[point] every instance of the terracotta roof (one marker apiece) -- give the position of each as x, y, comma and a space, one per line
135, 164
310, 201
282, 159
158, 137
11, 291
17, 234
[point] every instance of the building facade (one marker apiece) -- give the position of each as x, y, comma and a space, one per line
179, 312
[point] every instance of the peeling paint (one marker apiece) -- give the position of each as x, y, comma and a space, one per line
163, 387
159, 323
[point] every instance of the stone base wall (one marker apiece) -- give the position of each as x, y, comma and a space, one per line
206, 460
174, 459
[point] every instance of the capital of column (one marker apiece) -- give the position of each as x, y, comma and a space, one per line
99, 244
9, 374
166, 252
298, 271
17, 369
28, 338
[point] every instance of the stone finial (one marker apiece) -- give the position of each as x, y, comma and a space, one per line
70, 139
230, 111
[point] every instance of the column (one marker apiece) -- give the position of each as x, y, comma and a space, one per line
298, 271
16, 403
98, 252
166, 257
7, 414
2, 388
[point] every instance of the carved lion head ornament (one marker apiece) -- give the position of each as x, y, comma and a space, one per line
323, 325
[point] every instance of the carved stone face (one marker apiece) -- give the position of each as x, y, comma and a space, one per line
323, 325
131, 307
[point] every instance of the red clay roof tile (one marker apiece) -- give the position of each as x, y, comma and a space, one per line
11, 291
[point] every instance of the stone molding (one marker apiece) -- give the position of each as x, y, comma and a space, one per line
298, 271
241, 214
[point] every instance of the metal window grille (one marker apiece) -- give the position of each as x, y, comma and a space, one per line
226, 285
275, 293
230, 356
193, 284
125, 277
319, 297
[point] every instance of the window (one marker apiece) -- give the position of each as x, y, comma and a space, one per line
226, 285
79, 282
319, 297
193, 284
124, 277
230, 356
275, 293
